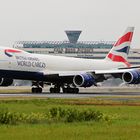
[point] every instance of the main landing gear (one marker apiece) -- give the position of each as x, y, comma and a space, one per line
56, 89
37, 87
36, 90
66, 89
70, 90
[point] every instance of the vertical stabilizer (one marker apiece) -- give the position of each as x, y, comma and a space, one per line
120, 49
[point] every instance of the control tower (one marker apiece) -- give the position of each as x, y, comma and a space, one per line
73, 35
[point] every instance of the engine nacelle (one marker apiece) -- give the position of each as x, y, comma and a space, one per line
131, 77
6, 82
84, 80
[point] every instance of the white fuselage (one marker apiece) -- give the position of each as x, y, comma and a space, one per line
23, 61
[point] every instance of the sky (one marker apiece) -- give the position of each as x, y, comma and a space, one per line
48, 19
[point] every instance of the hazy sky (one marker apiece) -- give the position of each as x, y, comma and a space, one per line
47, 19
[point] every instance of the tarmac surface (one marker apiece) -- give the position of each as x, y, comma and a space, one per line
80, 95
107, 92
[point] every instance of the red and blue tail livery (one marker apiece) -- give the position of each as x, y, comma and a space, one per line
120, 50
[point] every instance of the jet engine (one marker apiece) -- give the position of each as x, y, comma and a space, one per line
131, 77
6, 82
84, 80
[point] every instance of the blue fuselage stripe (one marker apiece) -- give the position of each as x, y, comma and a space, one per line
23, 75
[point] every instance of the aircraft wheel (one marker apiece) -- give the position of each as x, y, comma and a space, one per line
54, 90
51, 90
36, 90
39, 90
70, 90
76, 90
64, 90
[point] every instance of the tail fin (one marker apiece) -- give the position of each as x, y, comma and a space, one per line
120, 49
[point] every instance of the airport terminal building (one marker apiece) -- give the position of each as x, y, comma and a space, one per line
75, 48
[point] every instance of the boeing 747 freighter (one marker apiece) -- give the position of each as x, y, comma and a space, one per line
66, 72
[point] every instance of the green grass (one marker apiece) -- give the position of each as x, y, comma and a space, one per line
73, 131
126, 126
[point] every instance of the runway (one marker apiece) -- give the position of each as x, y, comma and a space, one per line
108, 92
80, 95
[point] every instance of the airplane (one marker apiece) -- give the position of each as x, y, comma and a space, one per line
68, 73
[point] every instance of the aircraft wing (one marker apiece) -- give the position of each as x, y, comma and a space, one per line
117, 71
73, 73
66, 73
129, 75
114, 71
